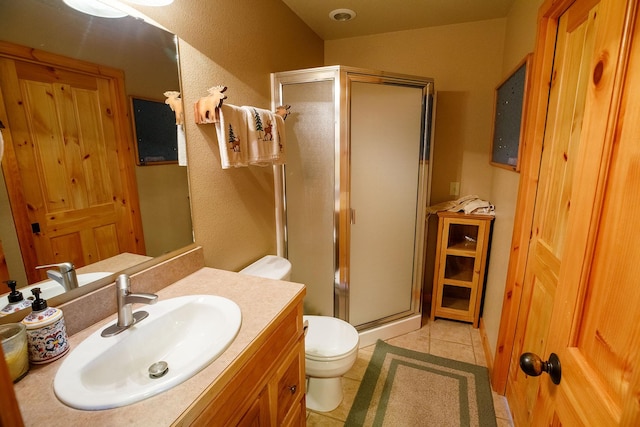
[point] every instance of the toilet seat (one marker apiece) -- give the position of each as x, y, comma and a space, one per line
329, 338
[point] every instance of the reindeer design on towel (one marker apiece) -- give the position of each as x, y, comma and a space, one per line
205, 108
268, 132
234, 141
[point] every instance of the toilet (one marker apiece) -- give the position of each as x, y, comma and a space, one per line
331, 344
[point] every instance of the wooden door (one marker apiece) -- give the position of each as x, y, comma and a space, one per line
574, 48
590, 45
597, 333
69, 166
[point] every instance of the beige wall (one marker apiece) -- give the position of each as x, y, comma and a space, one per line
466, 61
519, 41
236, 43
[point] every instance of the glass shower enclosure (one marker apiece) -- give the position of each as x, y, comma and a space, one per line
351, 198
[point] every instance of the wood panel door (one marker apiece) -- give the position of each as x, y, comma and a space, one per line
597, 337
69, 163
568, 307
567, 94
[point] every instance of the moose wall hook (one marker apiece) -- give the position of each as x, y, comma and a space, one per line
205, 107
175, 103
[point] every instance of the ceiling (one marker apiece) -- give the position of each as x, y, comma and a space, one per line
382, 16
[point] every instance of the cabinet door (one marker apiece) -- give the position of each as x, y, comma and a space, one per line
258, 413
459, 276
461, 257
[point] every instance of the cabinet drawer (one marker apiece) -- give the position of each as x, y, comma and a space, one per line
290, 383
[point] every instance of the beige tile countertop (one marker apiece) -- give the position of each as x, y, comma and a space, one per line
260, 300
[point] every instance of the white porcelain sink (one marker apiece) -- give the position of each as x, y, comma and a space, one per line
51, 288
186, 332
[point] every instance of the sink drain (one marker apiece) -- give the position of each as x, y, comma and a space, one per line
158, 369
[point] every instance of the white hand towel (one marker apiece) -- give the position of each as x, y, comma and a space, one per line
232, 136
264, 133
182, 146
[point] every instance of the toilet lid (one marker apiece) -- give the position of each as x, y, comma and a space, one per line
329, 337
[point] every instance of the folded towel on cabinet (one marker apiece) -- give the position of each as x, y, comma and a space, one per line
265, 134
231, 129
467, 204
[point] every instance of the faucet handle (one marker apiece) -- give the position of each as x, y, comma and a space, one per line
64, 267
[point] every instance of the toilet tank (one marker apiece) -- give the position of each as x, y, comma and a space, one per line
270, 267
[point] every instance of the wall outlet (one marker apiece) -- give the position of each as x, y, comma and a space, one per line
454, 188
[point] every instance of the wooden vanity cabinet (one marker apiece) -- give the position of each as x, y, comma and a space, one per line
461, 259
264, 387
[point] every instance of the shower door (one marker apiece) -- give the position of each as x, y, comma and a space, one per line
386, 143
354, 188
310, 182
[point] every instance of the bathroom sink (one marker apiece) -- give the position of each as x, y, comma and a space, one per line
51, 288
187, 333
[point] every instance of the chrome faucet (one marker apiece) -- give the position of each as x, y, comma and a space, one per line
66, 277
124, 299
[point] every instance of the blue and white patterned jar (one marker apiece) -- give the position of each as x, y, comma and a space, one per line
46, 332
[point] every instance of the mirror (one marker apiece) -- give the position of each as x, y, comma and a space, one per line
148, 57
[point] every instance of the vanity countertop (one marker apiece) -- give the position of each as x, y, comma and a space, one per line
115, 263
260, 300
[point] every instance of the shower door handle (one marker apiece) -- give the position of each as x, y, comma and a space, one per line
353, 216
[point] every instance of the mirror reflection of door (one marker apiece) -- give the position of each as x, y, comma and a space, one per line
4, 269
68, 159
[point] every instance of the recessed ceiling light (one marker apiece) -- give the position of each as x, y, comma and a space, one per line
342, 15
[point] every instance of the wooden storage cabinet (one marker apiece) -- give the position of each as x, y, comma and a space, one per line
461, 259
267, 390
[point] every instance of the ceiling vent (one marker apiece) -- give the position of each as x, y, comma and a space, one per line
342, 15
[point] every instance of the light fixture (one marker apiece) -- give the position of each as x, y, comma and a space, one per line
95, 8
151, 2
105, 9
342, 15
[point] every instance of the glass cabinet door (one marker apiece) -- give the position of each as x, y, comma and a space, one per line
459, 273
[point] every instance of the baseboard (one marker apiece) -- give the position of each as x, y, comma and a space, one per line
390, 330
488, 355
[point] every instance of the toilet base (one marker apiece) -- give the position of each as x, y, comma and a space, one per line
324, 394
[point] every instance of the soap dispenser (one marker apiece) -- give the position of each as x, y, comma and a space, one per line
46, 331
16, 301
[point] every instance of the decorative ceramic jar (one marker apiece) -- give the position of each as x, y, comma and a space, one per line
46, 331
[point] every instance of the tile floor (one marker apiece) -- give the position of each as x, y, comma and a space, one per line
453, 340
